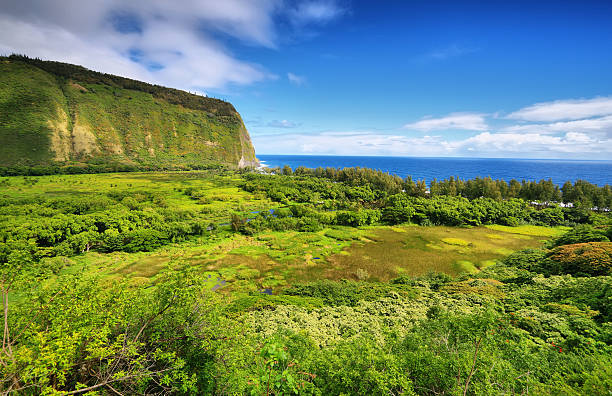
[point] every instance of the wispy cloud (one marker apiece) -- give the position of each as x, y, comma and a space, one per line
445, 53
530, 144
282, 124
573, 109
346, 143
456, 121
592, 126
315, 11
295, 79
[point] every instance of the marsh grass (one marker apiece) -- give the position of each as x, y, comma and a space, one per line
278, 259
419, 250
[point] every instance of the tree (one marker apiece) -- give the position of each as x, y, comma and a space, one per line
237, 222
287, 171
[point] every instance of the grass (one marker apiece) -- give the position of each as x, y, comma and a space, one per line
169, 186
278, 259
530, 230
418, 250
376, 253
455, 242
29, 100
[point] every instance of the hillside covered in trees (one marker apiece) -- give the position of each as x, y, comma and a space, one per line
55, 113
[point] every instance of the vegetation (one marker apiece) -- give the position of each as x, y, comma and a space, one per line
218, 282
55, 115
581, 193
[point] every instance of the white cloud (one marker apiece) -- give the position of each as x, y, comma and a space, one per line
176, 43
282, 124
521, 143
317, 11
601, 126
574, 109
584, 138
445, 53
570, 145
460, 121
349, 143
295, 79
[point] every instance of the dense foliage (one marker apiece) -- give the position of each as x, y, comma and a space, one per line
545, 191
356, 197
537, 321
93, 168
174, 96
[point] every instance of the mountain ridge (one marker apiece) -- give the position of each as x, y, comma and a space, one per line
59, 113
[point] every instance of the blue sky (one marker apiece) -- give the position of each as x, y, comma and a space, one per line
409, 78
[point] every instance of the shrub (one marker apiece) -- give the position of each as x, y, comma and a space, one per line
398, 215
581, 234
358, 218
360, 367
237, 222
528, 259
592, 258
510, 221
143, 240
548, 216
309, 224
345, 292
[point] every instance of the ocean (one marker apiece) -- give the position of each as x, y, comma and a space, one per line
559, 171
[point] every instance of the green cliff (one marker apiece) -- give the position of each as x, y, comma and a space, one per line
53, 112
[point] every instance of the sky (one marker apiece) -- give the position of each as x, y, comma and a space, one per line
515, 79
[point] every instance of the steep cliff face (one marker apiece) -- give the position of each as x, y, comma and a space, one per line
54, 112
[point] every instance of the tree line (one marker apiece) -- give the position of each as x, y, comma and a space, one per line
581, 192
312, 203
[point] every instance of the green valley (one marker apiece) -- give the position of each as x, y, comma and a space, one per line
305, 197
225, 282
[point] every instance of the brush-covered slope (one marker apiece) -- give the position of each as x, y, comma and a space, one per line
54, 112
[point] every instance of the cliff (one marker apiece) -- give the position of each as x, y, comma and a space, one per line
52, 112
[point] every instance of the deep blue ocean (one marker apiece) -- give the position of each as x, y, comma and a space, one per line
560, 171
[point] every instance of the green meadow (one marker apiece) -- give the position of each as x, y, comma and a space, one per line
278, 259
270, 259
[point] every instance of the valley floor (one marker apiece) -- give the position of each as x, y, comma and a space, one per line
199, 283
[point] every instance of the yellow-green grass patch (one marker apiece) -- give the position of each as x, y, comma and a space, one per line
465, 266
530, 230
419, 250
455, 241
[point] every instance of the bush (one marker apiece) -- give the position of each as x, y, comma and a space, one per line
528, 259
360, 367
510, 221
357, 218
309, 224
581, 234
548, 216
593, 258
237, 222
397, 215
